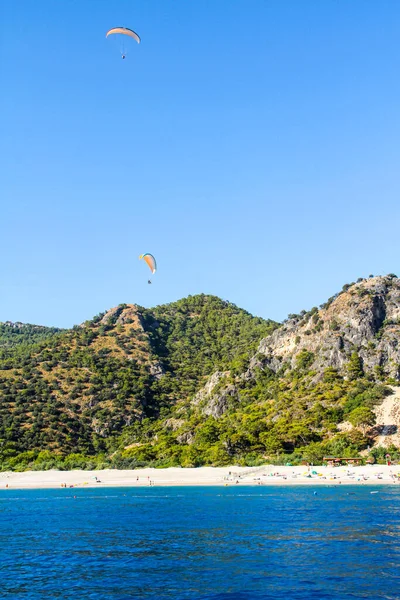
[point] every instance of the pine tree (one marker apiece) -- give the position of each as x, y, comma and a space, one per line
355, 368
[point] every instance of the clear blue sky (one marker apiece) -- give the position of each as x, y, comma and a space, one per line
252, 146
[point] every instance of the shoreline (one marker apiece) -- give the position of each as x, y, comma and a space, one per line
266, 475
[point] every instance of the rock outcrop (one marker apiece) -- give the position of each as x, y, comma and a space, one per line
365, 318
214, 402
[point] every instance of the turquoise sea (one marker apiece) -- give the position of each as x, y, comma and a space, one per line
201, 543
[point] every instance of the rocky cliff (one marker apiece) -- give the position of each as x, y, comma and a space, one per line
363, 318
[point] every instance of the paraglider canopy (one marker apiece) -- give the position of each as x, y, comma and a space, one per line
124, 31
150, 261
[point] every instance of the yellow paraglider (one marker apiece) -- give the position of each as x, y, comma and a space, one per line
123, 31
150, 261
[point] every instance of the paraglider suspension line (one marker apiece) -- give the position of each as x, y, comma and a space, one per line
123, 48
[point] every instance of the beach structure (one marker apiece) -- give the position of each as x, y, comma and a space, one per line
334, 461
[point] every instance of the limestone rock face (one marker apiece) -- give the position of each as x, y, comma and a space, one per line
109, 315
157, 370
215, 403
364, 318
123, 315
219, 403
212, 382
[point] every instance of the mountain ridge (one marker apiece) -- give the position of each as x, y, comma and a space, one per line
201, 381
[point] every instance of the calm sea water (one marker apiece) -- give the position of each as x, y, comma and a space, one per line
201, 543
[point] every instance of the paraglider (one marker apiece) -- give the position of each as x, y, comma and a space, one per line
151, 263
123, 34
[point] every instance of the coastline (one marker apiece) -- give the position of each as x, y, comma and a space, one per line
265, 475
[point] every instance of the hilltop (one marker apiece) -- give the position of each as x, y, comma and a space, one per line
201, 381
76, 390
13, 334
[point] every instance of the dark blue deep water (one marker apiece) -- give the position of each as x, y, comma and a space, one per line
201, 543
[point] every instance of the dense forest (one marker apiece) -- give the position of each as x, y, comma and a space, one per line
13, 334
189, 383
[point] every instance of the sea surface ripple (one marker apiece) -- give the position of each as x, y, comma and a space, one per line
205, 543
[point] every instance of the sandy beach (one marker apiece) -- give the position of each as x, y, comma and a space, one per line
221, 476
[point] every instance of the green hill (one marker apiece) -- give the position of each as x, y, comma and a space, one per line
75, 392
200, 381
13, 334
